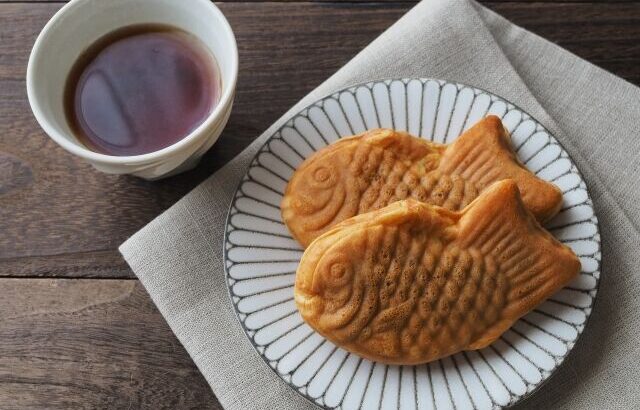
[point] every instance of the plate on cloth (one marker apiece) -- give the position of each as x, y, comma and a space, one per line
261, 258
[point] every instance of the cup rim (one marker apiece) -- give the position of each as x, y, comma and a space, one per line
225, 99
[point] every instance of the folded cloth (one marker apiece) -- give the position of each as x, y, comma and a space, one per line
595, 115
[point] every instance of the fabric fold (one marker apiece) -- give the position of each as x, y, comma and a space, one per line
595, 115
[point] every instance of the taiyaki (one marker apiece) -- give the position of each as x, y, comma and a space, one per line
413, 282
371, 170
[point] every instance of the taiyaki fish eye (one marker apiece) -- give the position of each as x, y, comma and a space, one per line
321, 174
322, 177
336, 272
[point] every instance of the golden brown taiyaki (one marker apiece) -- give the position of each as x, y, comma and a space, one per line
371, 170
414, 282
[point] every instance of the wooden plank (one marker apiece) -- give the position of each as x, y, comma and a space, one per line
58, 217
68, 343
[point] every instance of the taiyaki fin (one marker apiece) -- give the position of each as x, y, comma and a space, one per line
406, 147
483, 155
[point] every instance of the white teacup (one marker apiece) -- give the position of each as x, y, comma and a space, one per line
78, 25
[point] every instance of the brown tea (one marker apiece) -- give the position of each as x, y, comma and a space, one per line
140, 89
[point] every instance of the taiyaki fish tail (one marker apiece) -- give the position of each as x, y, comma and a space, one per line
529, 259
483, 155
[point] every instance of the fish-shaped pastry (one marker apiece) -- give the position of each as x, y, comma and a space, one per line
413, 282
372, 170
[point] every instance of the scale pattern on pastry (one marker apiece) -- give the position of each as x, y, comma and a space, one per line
372, 170
412, 282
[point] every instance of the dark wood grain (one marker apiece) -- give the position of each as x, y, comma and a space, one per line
91, 344
59, 217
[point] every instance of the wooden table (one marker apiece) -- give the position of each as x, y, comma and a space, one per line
77, 330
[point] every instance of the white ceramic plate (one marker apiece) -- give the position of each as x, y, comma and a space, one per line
261, 258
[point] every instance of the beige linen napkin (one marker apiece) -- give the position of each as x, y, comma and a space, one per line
596, 116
